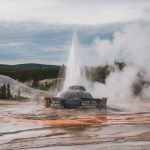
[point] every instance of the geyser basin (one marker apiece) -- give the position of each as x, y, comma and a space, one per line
75, 97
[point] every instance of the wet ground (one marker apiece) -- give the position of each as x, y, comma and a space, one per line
29, 126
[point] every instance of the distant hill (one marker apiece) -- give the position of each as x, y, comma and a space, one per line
29, 71
27, 65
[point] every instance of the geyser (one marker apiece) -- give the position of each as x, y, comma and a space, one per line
73, 72
75, 97
73, 94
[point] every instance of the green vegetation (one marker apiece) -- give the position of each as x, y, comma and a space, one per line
8, 93
97, 74
5, 92
120, 65
100, 73
38, 72
30, 72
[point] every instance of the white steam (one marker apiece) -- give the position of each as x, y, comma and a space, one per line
118, 86
132, 44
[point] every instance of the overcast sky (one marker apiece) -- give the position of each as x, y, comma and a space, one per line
73, 11
40, 30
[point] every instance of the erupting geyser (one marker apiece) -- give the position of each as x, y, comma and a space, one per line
73, 72
73, 94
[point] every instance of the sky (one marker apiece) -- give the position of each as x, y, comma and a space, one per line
40, 31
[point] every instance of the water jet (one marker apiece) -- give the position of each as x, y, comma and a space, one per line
74, 93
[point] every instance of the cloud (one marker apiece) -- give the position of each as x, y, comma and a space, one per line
11, 44
46, 43
73, 12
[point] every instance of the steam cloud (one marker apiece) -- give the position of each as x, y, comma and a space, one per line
132, 45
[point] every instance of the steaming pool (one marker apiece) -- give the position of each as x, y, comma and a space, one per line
29, 126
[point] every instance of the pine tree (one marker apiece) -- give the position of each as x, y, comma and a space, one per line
8, 91
3, 92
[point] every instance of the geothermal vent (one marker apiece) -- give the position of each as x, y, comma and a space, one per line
75, 97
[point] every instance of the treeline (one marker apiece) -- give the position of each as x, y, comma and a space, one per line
30, 74
5, 92
35, 73
100, 73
